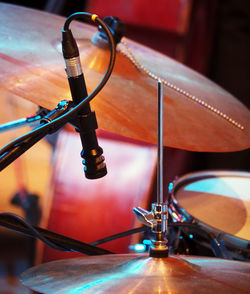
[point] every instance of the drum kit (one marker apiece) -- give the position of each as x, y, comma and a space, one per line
198, 116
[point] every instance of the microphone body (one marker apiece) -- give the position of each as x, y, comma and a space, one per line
85, 122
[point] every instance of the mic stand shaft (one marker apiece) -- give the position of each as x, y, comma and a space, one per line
30, 121
13, 154
9, 156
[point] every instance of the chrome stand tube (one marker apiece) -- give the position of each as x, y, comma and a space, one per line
157, 217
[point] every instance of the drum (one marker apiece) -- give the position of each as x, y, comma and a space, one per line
218, 202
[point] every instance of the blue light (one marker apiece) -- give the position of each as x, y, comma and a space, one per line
181, 237
146, 242
170, 187
191, 236
140, 247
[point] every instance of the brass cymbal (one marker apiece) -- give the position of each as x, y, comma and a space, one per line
136, 273
198, 114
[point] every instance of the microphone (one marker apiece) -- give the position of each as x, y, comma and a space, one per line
85, 122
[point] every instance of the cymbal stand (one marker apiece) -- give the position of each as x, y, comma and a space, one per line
157, 217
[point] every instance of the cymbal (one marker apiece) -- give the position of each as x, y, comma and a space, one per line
198, 114
136, 273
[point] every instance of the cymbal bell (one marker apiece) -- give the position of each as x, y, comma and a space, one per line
198, 114
136, 273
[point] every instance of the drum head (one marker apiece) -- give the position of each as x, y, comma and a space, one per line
220, 199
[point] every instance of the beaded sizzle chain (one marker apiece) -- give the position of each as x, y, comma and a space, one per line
125, 50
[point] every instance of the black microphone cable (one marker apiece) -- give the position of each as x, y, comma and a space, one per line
54, 240
52, 126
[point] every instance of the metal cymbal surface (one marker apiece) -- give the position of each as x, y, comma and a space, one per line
138, 273
198, 114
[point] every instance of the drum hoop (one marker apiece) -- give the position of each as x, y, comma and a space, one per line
190, 177
229, 239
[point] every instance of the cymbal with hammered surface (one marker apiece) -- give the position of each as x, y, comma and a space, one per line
198, 114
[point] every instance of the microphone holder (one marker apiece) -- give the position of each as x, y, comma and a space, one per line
93, 160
